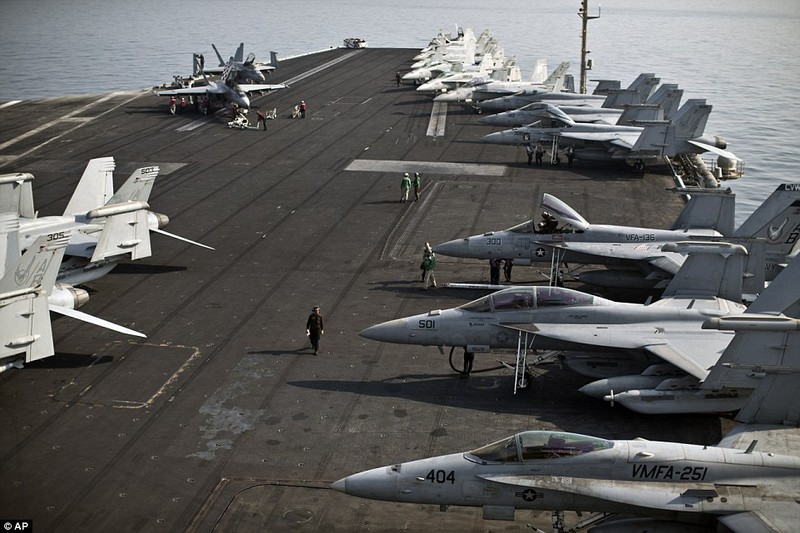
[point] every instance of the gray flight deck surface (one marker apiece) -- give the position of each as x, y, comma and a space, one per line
223, 419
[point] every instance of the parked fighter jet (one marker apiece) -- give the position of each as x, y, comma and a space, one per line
606, 95
637, 145
652, 484
106, 227
226, 87
638, 250
492, 66
555, 318
667, 97
483, 89
241, 68
25, 287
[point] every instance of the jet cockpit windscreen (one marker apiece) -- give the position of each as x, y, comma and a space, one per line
524, 228
518, 298
538, 445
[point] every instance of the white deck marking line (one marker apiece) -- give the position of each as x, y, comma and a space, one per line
66, 118
320, 68
9, 104
438, 120
431, 167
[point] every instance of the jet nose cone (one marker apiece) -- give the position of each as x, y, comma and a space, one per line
454, 248
340, 486
391, 331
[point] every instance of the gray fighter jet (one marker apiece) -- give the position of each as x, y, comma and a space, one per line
482, 88
105, 227
667, 97
656, 486
662, 340
607, 95
242, 69
636, 145
636, 254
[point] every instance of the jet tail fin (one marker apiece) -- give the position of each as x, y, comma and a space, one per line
219, 56
707, 209
690, 120
603, 86
655, 139
782, 293
638, 92
640, 112
777, 220
95, 187
239, 54
126, 229
273, 59
556, 78
24, 288
711, 269
16, 194
764, 355
668, 96
539, 73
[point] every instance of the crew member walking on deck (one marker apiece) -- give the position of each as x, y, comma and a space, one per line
417, 182
405, 185
262, 119
173, 104
303, 108
315, 327
428, 264
570, 155
529, 151
397, 77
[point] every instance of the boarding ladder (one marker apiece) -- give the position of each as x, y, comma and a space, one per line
554, 152
556, 256
520, 381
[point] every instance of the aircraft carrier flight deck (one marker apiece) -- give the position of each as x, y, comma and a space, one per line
223, 419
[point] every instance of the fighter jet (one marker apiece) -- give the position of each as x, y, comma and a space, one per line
606, 95
653, 485
105, 227
492, 66
636, 254
482, 89
636, 145
667, 98
709, 284
226, 87
242, 69
26, 284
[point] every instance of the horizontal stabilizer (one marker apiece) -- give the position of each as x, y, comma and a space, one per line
711, 148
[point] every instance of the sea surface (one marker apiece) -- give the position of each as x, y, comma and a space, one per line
740, 55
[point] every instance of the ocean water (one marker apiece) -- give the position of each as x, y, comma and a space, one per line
740, 55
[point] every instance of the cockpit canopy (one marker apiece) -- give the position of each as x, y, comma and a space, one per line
538, 445
517, 298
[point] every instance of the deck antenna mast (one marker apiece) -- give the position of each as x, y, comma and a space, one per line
586, 64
